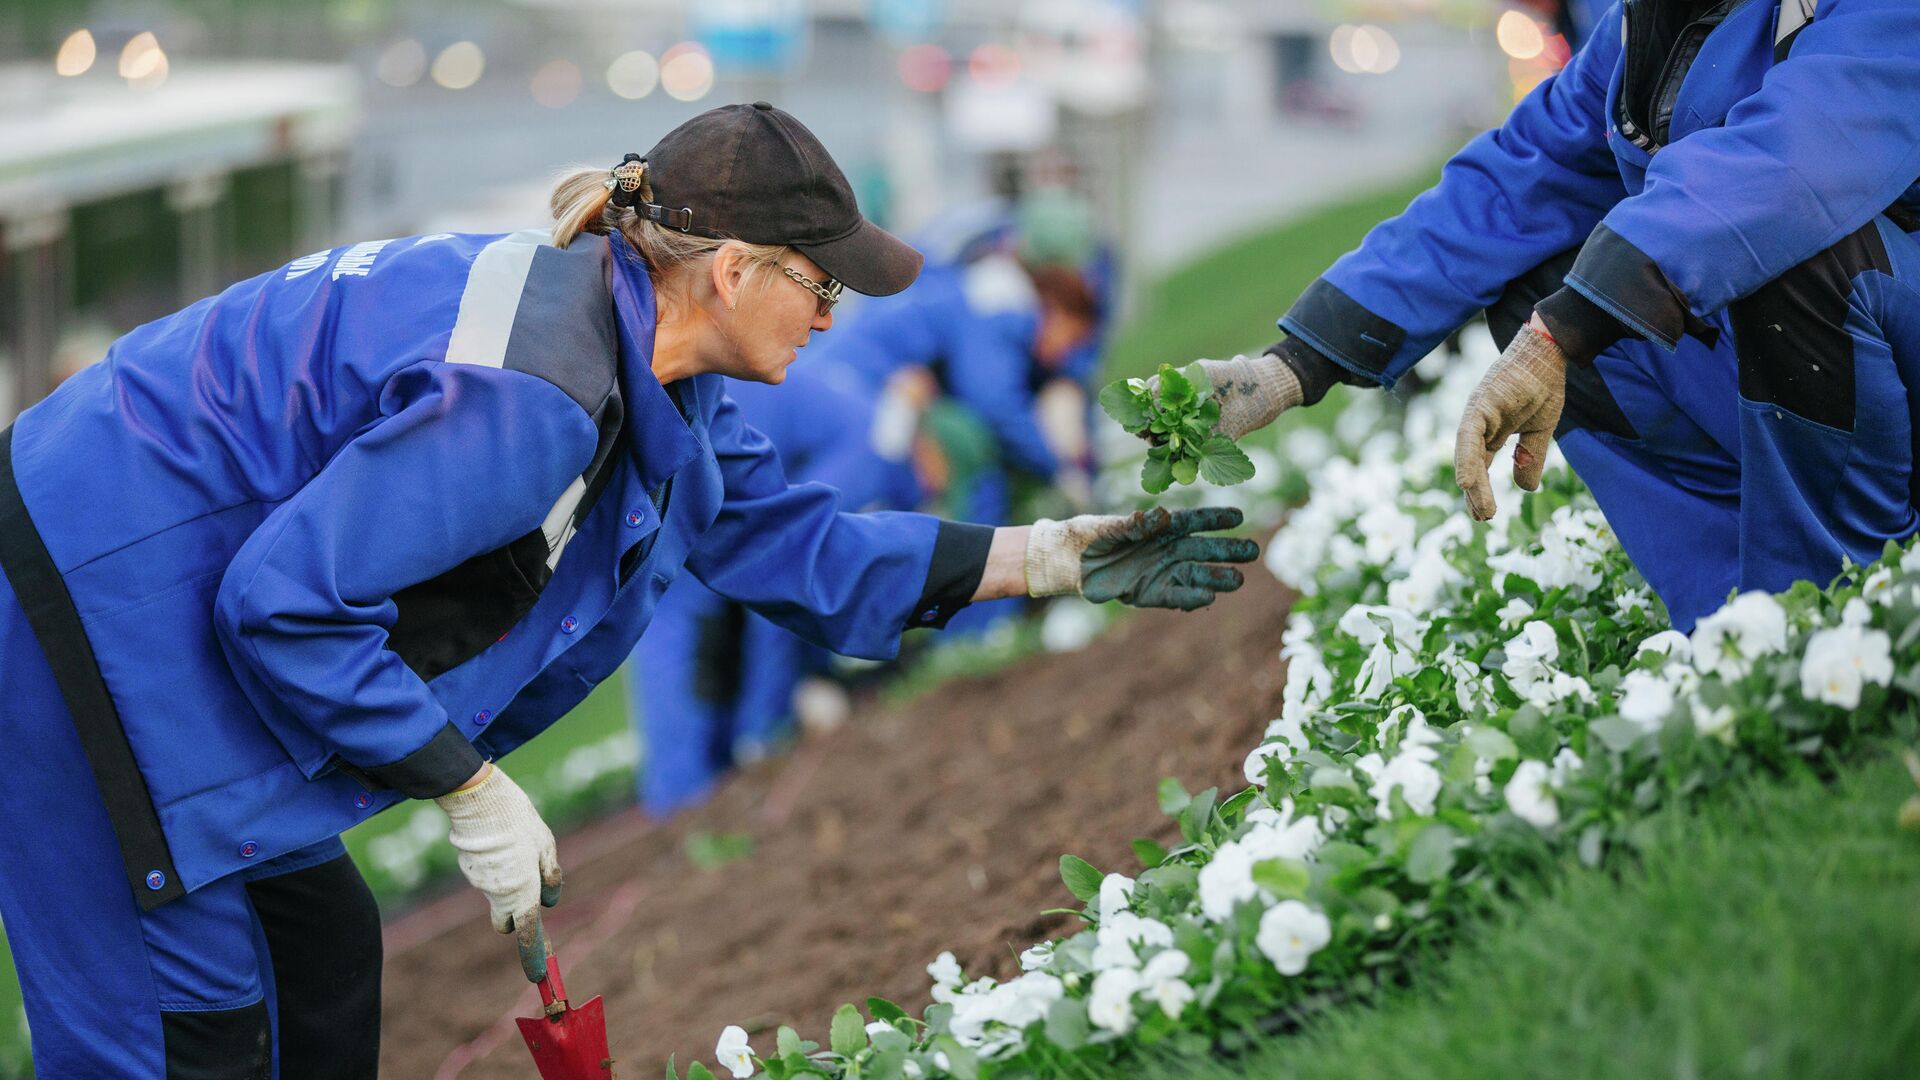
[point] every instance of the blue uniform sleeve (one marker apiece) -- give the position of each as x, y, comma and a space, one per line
465, 460
1831, 139
1514, 197
850, 582
987, 371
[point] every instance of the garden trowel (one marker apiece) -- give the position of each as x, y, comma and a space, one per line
568, 1042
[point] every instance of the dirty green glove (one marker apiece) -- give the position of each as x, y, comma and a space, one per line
1522, 392
1150, 558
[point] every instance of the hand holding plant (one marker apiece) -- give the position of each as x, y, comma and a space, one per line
1181, 414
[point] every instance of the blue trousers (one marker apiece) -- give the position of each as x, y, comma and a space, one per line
274, 972
1770, 454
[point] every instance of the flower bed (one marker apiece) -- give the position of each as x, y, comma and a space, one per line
1464, 705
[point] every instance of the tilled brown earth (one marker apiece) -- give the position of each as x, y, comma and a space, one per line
936, 825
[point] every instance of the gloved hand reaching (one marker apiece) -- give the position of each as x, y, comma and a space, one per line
1252, 391
1150, 558
1522, 392
506, 850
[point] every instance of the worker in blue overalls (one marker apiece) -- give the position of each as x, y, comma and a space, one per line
1011, 309
1696, 245
345, 533
712, 681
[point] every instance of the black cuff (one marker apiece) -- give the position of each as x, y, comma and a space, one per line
953, 575
1579, 326
1623, 281
447, 761
1344, 331
1316, 373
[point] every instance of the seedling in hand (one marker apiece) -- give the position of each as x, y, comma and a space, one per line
1179, 422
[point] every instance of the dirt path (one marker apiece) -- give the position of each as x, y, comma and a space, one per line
937, 825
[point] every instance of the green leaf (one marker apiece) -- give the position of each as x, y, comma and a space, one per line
1491, 744
1618, 733
1176, 390
673, 1073
1223, 463
1197, 375
1149, 852
1173, 796
787, 1041
1186, 470
1156, 475
1285, 878
1121, 402
849, 1032
882, 1010
1067, 1025
697, 1071
1431, 856
1198, 815
1083, 881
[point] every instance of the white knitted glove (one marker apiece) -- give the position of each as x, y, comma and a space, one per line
506, 850
1523, 392
1252, 391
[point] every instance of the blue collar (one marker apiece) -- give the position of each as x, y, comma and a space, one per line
660, 439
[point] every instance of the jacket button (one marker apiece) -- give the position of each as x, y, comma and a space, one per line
156, 880
480, 718
634, 519
930, 614
569, 624
363, 800
249, 849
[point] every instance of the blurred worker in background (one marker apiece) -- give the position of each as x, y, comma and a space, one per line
713, 682
1696, 245
997, 344
343, 534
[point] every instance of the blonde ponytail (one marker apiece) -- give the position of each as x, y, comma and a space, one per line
580, 205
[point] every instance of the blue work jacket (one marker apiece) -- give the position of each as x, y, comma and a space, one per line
974, 324
1747, 166
344, 530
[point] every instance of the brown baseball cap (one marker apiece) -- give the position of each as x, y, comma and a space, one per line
754, 173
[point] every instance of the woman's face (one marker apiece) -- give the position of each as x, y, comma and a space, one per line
772, 317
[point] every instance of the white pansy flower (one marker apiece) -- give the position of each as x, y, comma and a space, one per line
1669, 643
1856, 613
1645, 699
1037, 957
1110, 1005
1531, 655
1281, 840
1629, 604
1385, 532
1716, 722
1417, 782
1162, 982
1565, 764
1308, 683
946, 974
1290, 934
1839, 661
1116, 940
1529, 798
1561, 687
1514, 612
1226, 880
1878, 588
1425, 585
733, 1053
1727, 642
1116, 891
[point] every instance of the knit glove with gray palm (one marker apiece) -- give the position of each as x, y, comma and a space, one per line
1150, 558
1251, 390
1522, 393
506, 851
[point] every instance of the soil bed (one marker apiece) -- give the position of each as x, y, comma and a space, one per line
914, 829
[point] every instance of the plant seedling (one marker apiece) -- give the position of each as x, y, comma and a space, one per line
1179, 422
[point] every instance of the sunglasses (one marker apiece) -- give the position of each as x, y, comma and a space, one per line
828, 293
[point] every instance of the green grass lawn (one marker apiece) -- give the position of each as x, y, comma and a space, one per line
1775, 933
1219, 304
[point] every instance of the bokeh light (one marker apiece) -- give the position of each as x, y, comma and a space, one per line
556, 84
925, 68
633, 75
143, 63
1519, 36
402, 63
686, 72
76, 54
993, 65
1363, 50
459, 65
